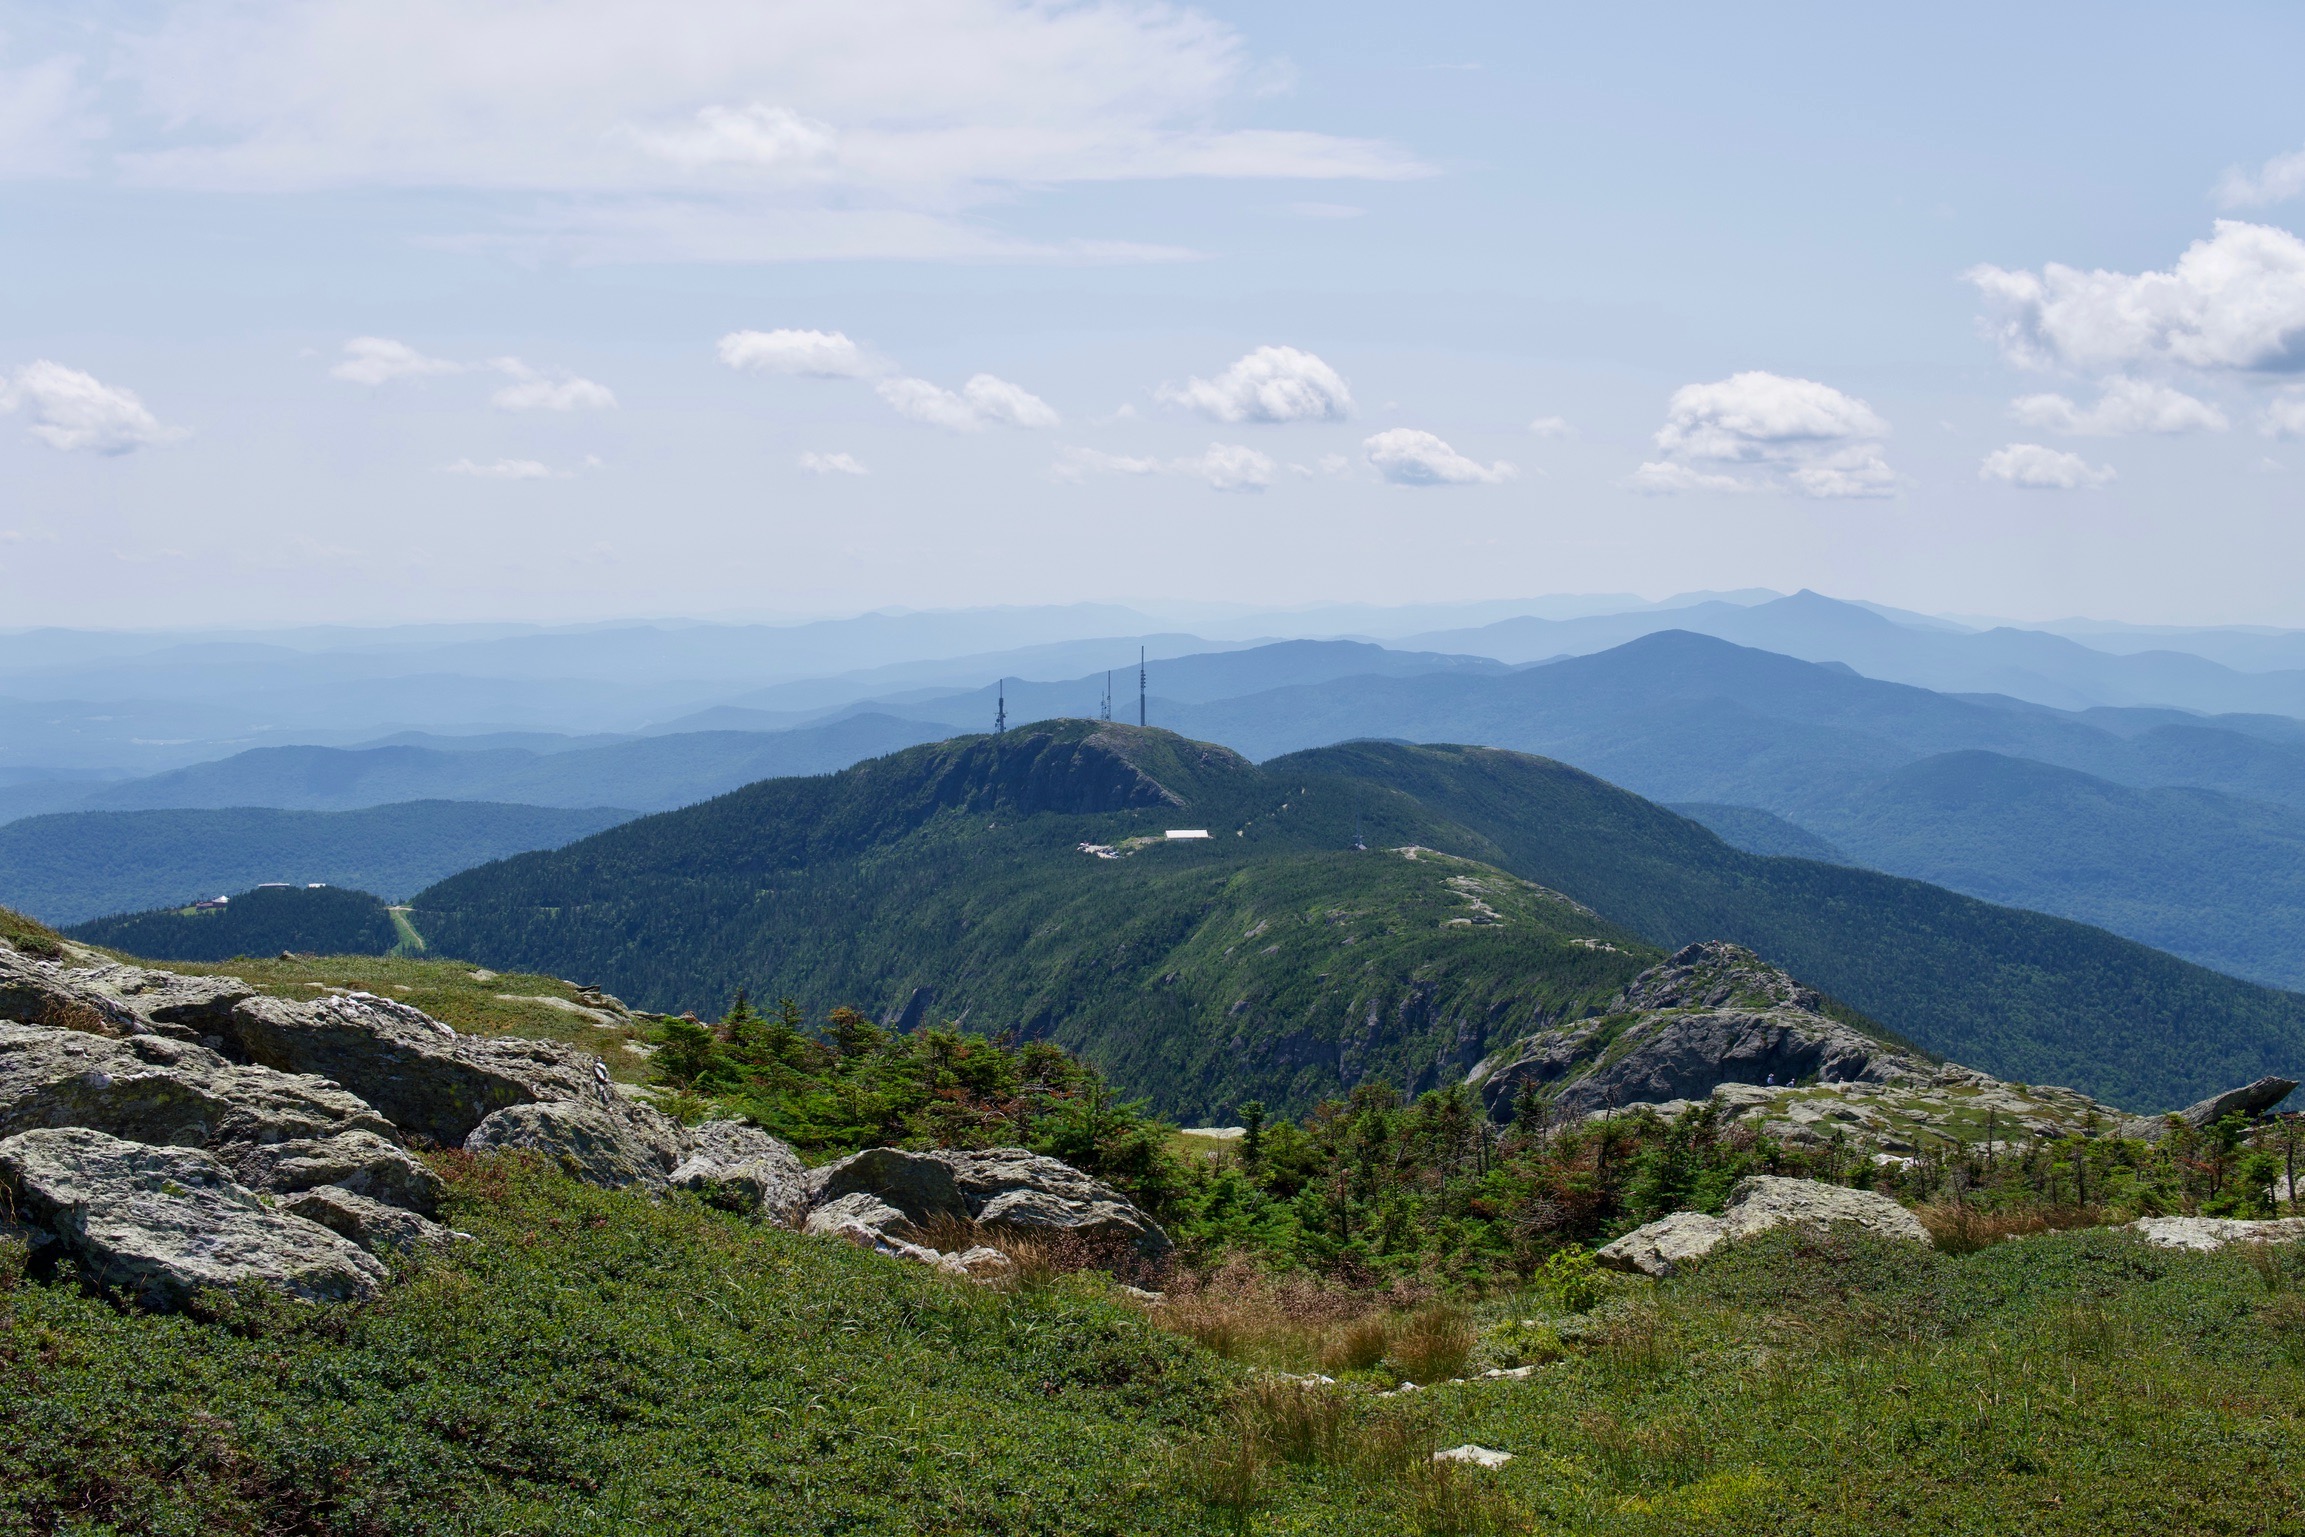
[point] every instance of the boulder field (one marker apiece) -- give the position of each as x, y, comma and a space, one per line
174, 1133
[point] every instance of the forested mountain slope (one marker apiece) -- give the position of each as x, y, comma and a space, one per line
971, 878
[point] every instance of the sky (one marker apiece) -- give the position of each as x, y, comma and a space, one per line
432, 310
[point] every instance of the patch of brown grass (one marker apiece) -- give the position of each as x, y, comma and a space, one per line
1959, 1228
1433, 1343
1284, 1322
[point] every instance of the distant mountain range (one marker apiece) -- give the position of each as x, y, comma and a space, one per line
1029, 882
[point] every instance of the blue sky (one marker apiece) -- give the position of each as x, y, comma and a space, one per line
369, 312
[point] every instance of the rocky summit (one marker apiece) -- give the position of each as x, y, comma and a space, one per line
175, 1133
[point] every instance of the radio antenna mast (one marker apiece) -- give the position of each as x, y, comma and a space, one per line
1140, 716
1106, 707
1000, 720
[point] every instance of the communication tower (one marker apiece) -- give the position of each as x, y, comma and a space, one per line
1140, 716
1105, 708
1000, 718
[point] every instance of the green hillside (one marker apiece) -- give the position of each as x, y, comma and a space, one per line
325, 920
2022, 995
1271, 959
77, 865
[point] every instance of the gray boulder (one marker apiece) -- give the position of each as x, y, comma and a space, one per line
765, 1174
615, 1146
2203, 1235
429, 1080
920, 1185
374, 1226
150, 1088
358, 1161
1710, 1015
114, 999
2251, 1100
869, 1223
1760, 1202
164, 1222
1041, 1212
1666, 1246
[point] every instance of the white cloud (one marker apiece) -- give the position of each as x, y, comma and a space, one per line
2234, 301
980, 402
1224, 466
1271, 384
504, 469
2276, 181
1552, 427
46, 121
1666, 477
1232, 467
803, 126
817, 354
1798, 434
2284, 416
77, 412
832, 464
1326, 210
2031, 467
1407, 457
2123, 406
533, 391
379, 360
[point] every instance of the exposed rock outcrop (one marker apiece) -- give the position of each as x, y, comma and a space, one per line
114, 999
150, 1088
613, 1145
1759, 1203
919, 1185
376, 1227
358, 1161
869, 1223
1712, 1014
2251, 1100
2204, 1234
1010, 1187
764, 1175
164, 1222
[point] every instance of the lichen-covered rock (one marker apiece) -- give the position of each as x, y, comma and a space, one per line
870, 1223
372, 1224
150, 1088
920, 1185
164, 1222
615, 1145
358, 1161
1013, 1187
2204, 1234
114, 999
1666, 1246
979, 1263
2249, 1101
1760, 1202
1712, 1014
430, 1081
763, 1173
1097, 1221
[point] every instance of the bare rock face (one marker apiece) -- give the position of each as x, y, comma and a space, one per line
920, 1185
1712, 1014
371, 1224
151, 1088
165, 1222
2203, 1235
763, 1173
2250, 1101
420, 1073
1759, 1203
357, 1161
1666, 1246
869, 1223
615, 1146
115, 999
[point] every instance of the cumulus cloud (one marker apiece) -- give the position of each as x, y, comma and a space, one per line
504, 469
79, 413
981, 402
832, 464
1552, 427
1271, 384
717, 129
2032, 467
1407, 457
816, 354
2123, 406
1223, 466
2235, 301
1789, 434
380, 360
534, 391
2276, 181
2284, 416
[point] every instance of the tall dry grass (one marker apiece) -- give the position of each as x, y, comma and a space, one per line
1960, 1228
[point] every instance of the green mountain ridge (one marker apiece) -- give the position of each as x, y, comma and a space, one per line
1027, 882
